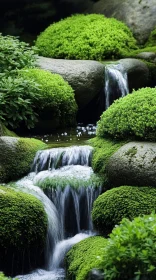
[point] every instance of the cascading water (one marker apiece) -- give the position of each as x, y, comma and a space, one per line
116, 83
70, 187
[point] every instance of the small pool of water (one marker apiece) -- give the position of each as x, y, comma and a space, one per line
69, 136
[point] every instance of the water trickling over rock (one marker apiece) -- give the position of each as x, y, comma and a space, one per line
116, 83
67, 186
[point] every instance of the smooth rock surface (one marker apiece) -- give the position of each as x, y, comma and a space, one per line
137, 73
134, 164
85, 76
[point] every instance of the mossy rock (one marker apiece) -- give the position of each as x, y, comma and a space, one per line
16, 156
23, 229
84, 256
131, 117
56, 102
6, 132
92, 37
122, 202
103, 150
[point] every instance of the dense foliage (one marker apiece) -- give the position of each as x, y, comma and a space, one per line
15, 54
3, 277
122, 202
131, 117
86, 37
84, 256
56, 97
17, 101
23, 229
130, 250
152, 39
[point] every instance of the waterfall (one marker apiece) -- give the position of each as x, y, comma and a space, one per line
64, 182
116, 83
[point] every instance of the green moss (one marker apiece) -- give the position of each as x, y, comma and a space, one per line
93, 37
131, 117
152, 39
103, 150
23, 229
84, 256
16, 156
130, 251
3, 277
131, 152
6, 132
122, 202
56, 97
49, 183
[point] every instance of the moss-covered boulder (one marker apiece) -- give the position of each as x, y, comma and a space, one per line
122, 202
23, 229
85, 77
55, 105
16, 156
133, 164
103, 150
83, 257
131, 117
93, 37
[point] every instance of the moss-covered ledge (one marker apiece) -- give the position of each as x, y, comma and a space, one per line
16, 156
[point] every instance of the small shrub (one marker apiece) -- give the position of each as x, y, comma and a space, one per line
130, 251
56, 97
15, 54
131, 117
3, 277
17, 101
122, 202
86, 37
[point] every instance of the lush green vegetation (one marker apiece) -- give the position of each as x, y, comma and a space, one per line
152, 39
86, 37
23, 230
17, 101
16, 157
15, 54
56, 97
55, 182
122, 202
131, 117
84, 256
3, 277
103, 150
130, 250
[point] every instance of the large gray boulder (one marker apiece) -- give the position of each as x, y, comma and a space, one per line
134, 164
139, 15
137, 73
85, 76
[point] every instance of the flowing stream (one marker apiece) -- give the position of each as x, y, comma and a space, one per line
69, 190
116, 83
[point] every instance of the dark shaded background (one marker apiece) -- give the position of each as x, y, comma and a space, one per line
27, 18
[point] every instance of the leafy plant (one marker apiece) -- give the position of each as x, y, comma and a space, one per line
17, 101
15, 54
86, 37
130, 251
131, 117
